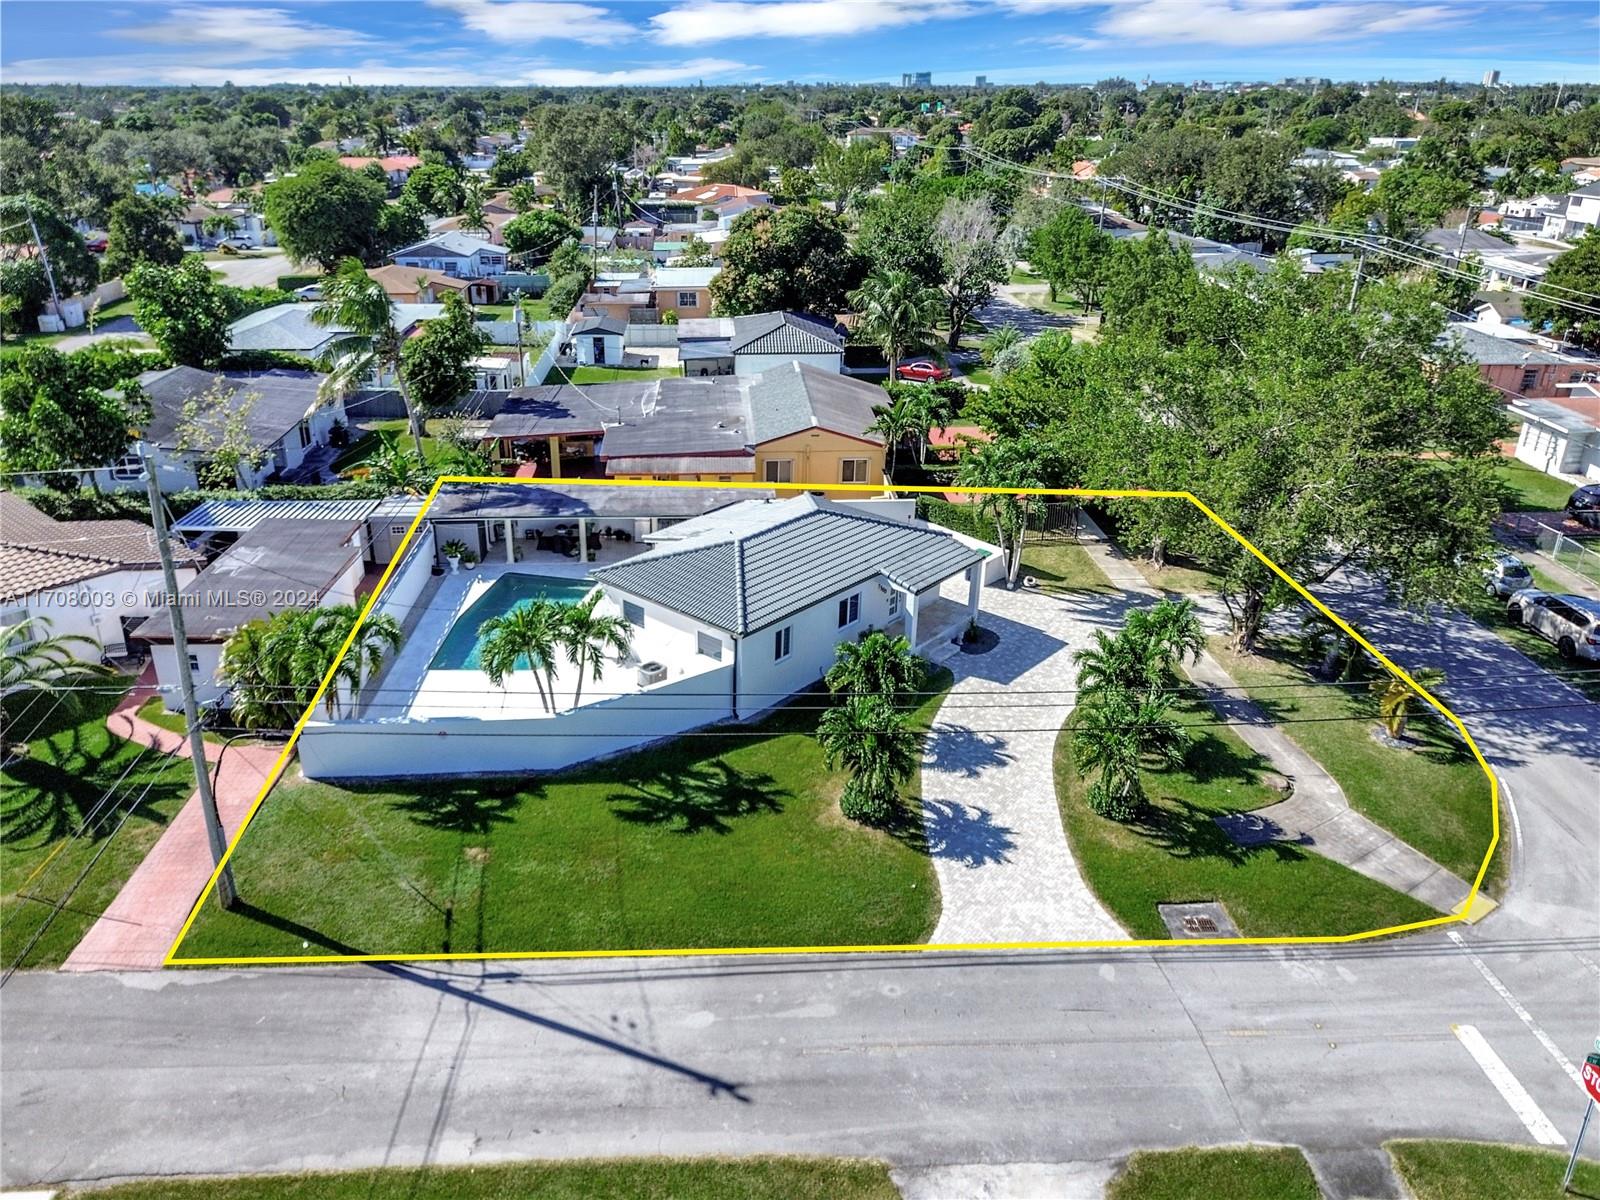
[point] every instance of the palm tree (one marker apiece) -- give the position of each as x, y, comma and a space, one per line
1014, 463
894, 422
369, 343
255, 702
869, 736
1109, 665
35, 660
1395, 696
1170, 633
586, 636
934, 409
895, 310
1114, 735
876, 665
526, 637
472, 219
378, 636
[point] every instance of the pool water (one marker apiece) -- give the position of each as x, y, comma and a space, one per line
462, 645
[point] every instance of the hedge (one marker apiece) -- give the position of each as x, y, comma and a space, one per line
288, 283
88, 505
963, 518
266, 360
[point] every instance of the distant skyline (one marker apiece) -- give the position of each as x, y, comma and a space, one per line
565, 43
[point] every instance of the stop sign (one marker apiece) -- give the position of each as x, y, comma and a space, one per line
1591, 1076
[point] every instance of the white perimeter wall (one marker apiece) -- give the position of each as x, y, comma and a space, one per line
468, 746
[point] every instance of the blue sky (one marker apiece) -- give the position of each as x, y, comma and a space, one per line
597, 42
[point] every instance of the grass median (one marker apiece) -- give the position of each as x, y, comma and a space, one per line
704, 841
1487, 1171
1235, 1172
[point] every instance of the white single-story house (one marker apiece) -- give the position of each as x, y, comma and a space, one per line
276, 565
91, 579
454, 253
283, 415
738, 608
597, 340
748, 345
1557, 440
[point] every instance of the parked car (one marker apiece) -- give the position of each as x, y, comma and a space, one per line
311, 291
1583, 505
1506, 575
922, 371
96, 245
237, 242
1571, 623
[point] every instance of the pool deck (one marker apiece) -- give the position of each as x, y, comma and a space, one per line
411, 689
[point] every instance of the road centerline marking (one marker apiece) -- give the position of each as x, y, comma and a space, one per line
1515, 1005
1510, 1088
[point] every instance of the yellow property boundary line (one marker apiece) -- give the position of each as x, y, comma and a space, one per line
172, 959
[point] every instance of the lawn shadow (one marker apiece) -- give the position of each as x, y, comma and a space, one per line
1185, 830
697, 797
1209, 759
474, 806
250, 912
49, 800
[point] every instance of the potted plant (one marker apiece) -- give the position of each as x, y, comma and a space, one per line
454, 552
469, 560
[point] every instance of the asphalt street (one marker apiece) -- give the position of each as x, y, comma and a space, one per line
922, 1059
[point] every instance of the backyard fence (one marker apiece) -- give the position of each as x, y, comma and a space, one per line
1571, 553
650, 335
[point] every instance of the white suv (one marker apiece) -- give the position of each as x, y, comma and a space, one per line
1572, 623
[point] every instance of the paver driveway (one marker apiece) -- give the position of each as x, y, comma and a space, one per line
1006, 873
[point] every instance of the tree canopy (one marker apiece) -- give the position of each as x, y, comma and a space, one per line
795, 258
326, 213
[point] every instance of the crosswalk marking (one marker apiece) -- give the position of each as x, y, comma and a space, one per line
1511, 1091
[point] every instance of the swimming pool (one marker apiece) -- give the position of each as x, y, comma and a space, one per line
460, 650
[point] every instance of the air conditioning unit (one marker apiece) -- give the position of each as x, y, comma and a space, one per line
651, 672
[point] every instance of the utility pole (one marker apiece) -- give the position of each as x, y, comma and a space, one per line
516, 320
227, 893
44, 258
1361, 261
1101, 216
594, 236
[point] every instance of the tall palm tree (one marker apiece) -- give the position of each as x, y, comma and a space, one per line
1169, 633
1014, 463
895, 311
586, 636
876, 665
894, 422
356, 304
527, 637
869, 736
35, 660
378, 636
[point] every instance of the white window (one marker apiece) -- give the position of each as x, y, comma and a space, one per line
708, 644
633, 613
304, 430
688, 299
782, 643
780, 470
127, 467
894, 602
850, 610
853, 470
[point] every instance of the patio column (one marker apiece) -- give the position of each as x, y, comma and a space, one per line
583, 540
511, 543
555, 456
911, 619
974, 587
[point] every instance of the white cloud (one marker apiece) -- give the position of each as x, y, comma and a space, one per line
156, 69
258, 32
722, 20
541, 20
1067, 41
1265, 22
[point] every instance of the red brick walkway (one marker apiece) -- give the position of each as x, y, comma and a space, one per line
137, 928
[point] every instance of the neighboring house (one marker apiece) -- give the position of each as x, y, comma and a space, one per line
1555, 439
792, 424
597, 340
1392, 143
638, 235
900, 140
274, 566
1529, 215
496, 221
717, 203
397, 167
454, 253
750, 345
418, 285
93, 579
289, 329
279, 412
685, 290
1498, 312
1517, 368
1579, 213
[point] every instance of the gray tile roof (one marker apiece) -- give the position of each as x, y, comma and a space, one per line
796, 396
760, 562
285, 327
783, 333
601, 323
282, 399
1489, 350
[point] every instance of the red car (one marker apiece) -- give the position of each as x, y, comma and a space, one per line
922, 372
95, 245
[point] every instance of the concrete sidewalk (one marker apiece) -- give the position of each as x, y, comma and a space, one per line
1318, 816
137, 928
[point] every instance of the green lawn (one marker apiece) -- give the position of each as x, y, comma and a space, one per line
1434, 796
710, 841
1180, 575
106, 312
1064, 567
1484, 1171
614, 1179
367, 445
1532, 490
582, 375
72, 764
537, 310
1176, 852
1234, 1172
981, 375
1042, 302
1021, 277
155, 711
